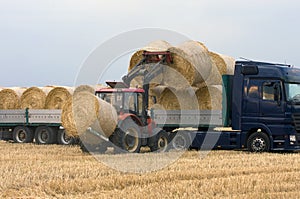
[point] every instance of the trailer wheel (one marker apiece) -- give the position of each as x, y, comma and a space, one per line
44, 135
159, 143
181, 141
64, 139
258, 142
22, 134
130, 140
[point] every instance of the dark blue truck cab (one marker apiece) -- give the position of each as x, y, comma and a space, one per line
266, 105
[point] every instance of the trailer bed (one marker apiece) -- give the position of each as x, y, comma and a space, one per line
187, 118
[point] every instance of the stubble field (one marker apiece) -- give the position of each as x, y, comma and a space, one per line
53, 171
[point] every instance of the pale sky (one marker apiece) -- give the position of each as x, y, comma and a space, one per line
46, 42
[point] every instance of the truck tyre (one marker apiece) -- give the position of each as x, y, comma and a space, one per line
130, 137
258, 142
22, 134
181, 141
159, 142
44, 135
64, 139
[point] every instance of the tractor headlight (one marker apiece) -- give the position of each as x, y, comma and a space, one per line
293, 138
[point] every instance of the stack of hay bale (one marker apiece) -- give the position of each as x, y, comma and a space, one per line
80, 107
48, 97
192, 82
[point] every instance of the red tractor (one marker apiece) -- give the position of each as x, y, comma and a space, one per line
135, 127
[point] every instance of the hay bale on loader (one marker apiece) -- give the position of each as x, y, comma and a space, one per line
33, 98
57, 97
86, 110
155, 46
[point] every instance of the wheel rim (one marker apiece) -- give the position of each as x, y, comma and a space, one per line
44, 135
179, 142
65, 138
258, 144
131, 140
162, 143
21, 135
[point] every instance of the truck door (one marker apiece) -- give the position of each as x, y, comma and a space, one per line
251, 97
271, 103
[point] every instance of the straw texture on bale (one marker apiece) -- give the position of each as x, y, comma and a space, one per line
9, 99
176, 99
230, 63
84, 88
33, 98
210, 98
57, 97
85, 110
191, 60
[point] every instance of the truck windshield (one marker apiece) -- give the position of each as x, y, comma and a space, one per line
293, 92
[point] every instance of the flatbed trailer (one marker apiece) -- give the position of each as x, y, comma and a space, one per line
27, 125
198, 129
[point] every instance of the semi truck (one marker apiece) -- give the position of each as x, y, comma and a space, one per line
27, 125
261, 111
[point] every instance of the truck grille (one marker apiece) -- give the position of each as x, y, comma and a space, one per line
296, 119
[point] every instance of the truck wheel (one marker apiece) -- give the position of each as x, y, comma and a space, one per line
130, 137
22, 134
181, 141
44, 135
160, 142
64, 139
258, 142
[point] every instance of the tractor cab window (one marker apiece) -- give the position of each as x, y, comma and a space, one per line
133, 103
129, 102
115, 99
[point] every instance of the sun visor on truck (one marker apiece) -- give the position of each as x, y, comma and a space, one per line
249, 70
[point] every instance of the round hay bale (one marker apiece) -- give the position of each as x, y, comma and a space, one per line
178, 99
154, 46
9, 99
57, 97
191, 60
219, 67
155, 92
33, 98
210, 97
84, 88
230, 64
67, 118
86, 110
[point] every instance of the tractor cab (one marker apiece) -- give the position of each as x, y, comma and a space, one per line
125, 100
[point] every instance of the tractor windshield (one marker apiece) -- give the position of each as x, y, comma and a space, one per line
124, 101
